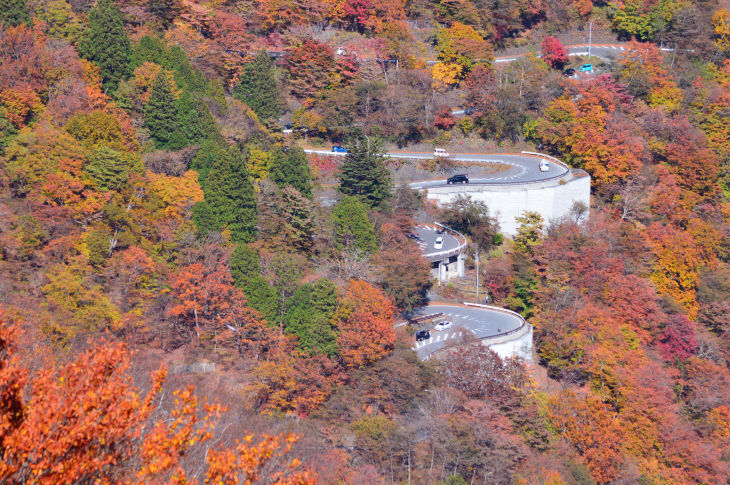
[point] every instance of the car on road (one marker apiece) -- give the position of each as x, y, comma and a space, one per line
440, 153
439, 243
586, 68
443, 326
288, 128
458, 179
569, 72
338, 149
544, 165
422, 335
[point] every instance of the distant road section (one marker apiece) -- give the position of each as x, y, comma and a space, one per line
606, 52
522, 167
510, 193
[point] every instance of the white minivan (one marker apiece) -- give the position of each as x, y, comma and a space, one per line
544, 165
440, 152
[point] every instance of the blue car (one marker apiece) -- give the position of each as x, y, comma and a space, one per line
338, 149
586, 68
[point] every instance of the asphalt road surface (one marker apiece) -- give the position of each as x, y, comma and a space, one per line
522, 168
482, 322
606, 52
426, 238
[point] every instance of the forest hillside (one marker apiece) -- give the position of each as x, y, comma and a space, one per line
189, 294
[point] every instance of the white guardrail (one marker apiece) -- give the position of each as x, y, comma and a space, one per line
475, 338
450, 252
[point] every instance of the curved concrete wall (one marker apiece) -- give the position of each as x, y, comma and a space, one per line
551, 199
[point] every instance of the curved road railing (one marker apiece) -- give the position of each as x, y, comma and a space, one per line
563, 165
480, 338
566, 168
451, 252
476, 338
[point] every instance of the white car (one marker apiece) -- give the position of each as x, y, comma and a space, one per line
544, 165
440, 152
439, 243
443, 326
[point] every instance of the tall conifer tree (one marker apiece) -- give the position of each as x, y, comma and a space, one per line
105, 43
364, 174
160, 113
194, 118
231, 195
257, 88
291, 168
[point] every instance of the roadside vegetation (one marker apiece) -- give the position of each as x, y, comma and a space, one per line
187, 296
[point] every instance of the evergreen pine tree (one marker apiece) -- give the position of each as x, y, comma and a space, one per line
364, 174
210, 150
14, 13
308, 316
246, 273
150, 49
204, 219
257, 88
160, 113
194, 118
352, 225
230, 193
291, 168
153, 49
105, 43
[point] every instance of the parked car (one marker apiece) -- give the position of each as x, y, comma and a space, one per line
439, 243
458, 179
586, 68
338, 149
440, 153
423, 335
544, 165
569, 72
442, 326
288, 128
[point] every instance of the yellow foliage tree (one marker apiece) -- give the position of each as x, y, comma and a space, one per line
446, 74
721, 24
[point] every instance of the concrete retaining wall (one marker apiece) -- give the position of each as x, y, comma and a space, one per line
551, 199
517, 345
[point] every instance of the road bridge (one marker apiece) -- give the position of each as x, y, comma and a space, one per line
504, 331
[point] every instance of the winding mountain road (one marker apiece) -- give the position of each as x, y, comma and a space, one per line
480, 321
522, 167
606, 52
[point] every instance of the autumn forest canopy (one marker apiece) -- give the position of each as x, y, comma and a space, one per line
188, 296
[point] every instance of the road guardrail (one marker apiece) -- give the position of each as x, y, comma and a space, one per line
451, 252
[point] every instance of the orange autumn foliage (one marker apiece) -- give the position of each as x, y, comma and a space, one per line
19, 104
86, 422
366, 319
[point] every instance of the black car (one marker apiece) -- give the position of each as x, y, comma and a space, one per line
569, 72
458, 179
423, 335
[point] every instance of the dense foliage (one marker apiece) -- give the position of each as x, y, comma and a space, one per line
156, 219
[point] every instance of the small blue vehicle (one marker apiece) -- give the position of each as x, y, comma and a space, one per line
338, 149
586, 68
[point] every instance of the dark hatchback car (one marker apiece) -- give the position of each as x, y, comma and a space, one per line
569, 72
458, 179
423, 335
